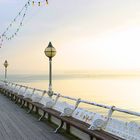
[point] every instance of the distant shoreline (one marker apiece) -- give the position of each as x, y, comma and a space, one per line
42, 77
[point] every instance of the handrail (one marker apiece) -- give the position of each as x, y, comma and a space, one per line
88, 102
30, 87
127, 111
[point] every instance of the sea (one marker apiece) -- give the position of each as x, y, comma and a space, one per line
112, 90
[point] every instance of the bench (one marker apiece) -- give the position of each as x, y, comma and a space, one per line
69, 121
27, 98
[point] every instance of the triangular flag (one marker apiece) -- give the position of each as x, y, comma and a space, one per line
47, 2
39, 3
33, 3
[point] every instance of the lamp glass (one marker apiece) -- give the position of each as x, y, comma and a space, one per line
50, 51
6, 64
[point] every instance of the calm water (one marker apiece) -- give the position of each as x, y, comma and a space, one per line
123, 92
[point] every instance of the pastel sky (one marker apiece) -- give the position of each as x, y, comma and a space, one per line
96, 35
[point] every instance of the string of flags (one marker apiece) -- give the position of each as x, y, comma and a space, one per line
39, 3
7, 35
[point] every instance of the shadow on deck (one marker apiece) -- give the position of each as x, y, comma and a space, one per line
16, 124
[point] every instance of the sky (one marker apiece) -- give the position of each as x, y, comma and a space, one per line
89, 35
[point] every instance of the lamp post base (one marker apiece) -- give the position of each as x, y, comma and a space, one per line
50, 93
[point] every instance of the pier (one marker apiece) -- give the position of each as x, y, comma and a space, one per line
76, 123
97, 41
16, 124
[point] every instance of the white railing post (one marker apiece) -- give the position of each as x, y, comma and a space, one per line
77, 103
110, 112
33, 92
56, 99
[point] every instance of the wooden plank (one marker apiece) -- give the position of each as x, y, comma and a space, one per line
15, 124
82, 126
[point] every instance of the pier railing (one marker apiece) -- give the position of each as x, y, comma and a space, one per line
123, 129
86, 102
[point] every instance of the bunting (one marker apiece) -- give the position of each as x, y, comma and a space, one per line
39, 3
7, 35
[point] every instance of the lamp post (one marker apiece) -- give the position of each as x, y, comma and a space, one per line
5, 65
50, 52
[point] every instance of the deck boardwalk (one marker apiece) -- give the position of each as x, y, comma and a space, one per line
16, 124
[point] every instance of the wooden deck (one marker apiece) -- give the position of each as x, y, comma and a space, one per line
16, 124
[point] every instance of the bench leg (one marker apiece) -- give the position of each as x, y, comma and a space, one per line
4, 93
22, 104
27, 105
68, 128
59, 127
16, 101
36, 111
20, 101
91, 138
43, 115
7, 94
30, 110
49, 118
12, 96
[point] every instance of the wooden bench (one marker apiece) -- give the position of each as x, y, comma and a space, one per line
69, 121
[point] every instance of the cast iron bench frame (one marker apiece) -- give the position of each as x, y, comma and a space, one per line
69, 121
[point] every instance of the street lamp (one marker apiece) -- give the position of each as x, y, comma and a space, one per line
50, 53
5, 65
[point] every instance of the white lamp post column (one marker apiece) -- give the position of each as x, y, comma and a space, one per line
50, 52
5, 65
